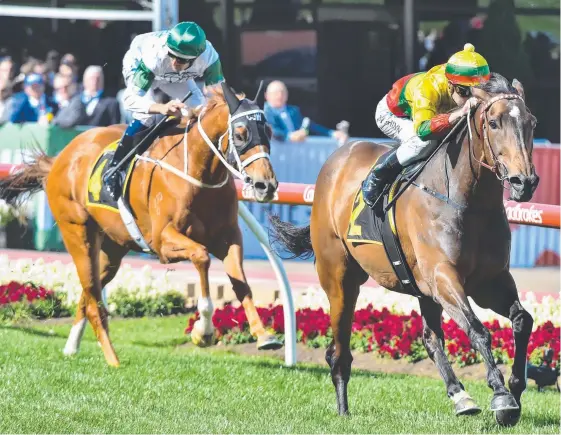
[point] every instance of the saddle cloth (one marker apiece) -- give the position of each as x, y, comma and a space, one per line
97, 195
379, 227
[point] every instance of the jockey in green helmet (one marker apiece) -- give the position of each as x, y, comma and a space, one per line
170, 61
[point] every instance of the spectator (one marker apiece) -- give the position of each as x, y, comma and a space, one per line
41, 68
64, 90
6, 71
68, 66
32, 105
52, 64
90, 107
5, 104
6, 75
287, 121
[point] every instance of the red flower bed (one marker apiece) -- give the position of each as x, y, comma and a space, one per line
16, 292
388, 334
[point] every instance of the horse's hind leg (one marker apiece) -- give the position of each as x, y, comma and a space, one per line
450, 293
83, 243
501, 296
230, 251
110, 257
433, 339
341, 282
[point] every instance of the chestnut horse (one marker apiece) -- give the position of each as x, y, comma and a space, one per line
455, 248
182, 196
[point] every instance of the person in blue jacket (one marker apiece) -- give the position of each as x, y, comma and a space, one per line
32, 105
287, 121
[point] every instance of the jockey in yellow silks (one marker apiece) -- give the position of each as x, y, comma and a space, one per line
416, 113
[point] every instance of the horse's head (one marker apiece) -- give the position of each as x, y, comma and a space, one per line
250, 135
507, 128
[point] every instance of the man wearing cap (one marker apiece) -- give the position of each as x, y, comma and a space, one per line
170, 61
32, 105
417, 112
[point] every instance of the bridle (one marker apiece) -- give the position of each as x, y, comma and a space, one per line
498, 168
231, 148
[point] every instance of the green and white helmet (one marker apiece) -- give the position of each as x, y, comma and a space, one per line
186, 40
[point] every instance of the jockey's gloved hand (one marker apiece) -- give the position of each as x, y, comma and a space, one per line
458, 114
172, 108
469, 105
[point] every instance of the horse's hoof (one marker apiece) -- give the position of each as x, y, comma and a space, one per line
202, 340
507, 417
268, 342
467, 406
504, 402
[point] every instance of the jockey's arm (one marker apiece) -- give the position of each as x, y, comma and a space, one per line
136, 97
428, 123
213, 74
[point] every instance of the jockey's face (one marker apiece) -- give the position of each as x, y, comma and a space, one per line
460, 94
180, 64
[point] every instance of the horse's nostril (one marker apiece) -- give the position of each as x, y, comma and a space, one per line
259, 185
516, 181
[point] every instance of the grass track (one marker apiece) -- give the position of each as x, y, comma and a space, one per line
163, 388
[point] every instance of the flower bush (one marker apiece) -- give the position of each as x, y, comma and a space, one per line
385, 322
387, 334
24, 301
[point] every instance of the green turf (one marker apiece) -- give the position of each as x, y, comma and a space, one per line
163, 388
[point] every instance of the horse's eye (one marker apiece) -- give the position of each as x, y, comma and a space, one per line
238, 136
493, 124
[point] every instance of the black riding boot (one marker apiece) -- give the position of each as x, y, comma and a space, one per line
114, 183
385, 170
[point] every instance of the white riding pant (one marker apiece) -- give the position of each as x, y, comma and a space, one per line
410, 147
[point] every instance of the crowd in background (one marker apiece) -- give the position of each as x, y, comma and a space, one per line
51, 92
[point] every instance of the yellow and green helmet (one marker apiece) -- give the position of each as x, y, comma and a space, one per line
467, 68
186, 40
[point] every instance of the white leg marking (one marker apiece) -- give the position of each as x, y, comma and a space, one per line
204, 324
459, 396
74, 338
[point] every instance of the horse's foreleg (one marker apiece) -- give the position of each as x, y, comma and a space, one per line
177, 247
433, 339
450, 294
501, 296
231, 252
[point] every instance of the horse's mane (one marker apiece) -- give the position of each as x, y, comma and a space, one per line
215, 98
497, 84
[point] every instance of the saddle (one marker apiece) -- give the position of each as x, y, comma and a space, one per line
378, 226
99, 197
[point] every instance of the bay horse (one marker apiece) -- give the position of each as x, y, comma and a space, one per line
456, 247
182, 196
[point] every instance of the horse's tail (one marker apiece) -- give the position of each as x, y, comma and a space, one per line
295, 240
28, 179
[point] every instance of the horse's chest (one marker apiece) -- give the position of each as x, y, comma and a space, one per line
477, 241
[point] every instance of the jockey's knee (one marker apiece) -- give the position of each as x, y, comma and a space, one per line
414, 149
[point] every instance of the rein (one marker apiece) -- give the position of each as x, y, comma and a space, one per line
242, 175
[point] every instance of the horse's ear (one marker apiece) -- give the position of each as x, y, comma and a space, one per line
258, 91
230, 97
519, 88
480, 93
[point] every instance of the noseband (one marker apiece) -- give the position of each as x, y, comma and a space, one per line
498, 168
